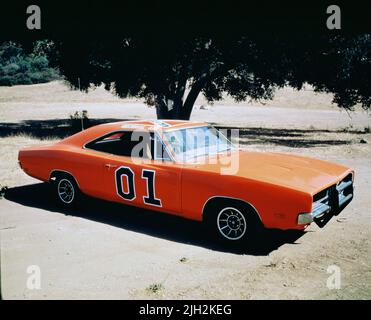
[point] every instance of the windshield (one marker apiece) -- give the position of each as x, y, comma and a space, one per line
191, 143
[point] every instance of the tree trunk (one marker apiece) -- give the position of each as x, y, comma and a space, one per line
165, 110
190, 101
162, 110
178, 110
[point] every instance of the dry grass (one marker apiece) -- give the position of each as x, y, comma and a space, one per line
60, 91
288, 97
55, 100
52, 92
10, 173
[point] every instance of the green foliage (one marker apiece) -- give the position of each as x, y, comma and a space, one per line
156, 287
17, 67
3, 190
78, 115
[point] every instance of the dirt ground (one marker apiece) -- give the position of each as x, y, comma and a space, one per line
109, 251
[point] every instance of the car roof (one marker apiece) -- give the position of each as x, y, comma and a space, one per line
95, 132
153, 125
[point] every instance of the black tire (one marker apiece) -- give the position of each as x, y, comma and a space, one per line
66, 190
232, 223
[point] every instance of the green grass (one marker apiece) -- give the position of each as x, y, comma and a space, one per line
156, 287
3, 191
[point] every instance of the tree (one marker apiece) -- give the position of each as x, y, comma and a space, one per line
18, 67
162, 69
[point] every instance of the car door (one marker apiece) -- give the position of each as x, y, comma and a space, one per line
91, 166
142, 179
93, 163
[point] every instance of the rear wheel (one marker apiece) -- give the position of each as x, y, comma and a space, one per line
66, 190
232, 222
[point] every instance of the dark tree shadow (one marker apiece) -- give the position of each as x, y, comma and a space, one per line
295, 138
145, 221
42, 129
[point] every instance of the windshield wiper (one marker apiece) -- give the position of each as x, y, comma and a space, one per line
219, 152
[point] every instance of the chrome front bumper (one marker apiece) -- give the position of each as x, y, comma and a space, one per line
335, 199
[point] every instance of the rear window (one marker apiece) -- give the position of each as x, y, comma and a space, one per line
121, 144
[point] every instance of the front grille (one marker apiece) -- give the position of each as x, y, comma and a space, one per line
320, 196
333, 198
345, 190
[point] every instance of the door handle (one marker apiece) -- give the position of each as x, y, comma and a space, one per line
108, 165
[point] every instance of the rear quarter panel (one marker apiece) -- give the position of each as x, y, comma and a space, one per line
40, 162
37, 161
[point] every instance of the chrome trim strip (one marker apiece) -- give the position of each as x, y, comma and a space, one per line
323, 199
320, 209
106, 134
177, 127
343, 199
118, 131
343, 185
226, 197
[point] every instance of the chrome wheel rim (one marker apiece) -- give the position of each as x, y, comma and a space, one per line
66, 191
231, 223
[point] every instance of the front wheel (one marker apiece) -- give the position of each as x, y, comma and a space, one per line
232, 223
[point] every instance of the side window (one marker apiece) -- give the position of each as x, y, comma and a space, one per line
110, 143
119, 143
132, 143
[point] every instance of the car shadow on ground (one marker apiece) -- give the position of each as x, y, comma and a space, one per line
145, 221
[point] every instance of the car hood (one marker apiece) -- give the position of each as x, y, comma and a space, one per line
294, 172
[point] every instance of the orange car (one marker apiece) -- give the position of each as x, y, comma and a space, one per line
191, 170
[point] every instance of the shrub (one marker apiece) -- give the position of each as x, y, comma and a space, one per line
17, 67
155, 287
79, 120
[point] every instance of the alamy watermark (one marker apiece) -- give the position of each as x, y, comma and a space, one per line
33, 281
334, 20
334, 280
203, 145
33, 21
